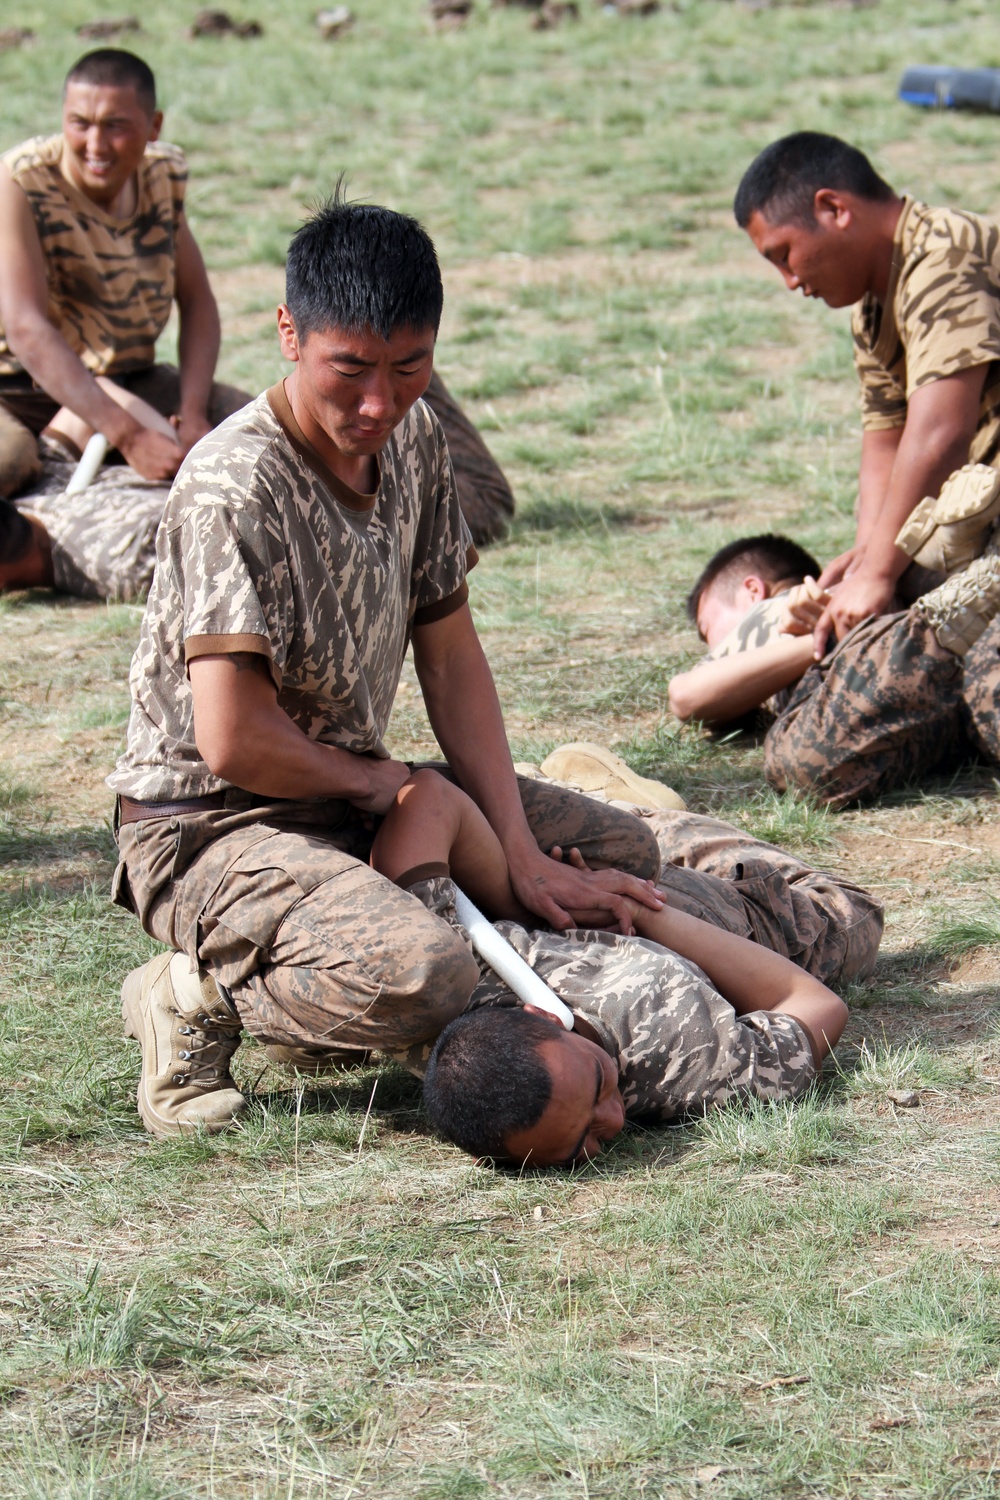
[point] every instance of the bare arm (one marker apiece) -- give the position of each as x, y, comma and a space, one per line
198, 339
244, 736
941, 422
748, 976
465, 715
46, 355
716, 692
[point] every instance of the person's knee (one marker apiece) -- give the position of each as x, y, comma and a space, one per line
19, 460
402, 995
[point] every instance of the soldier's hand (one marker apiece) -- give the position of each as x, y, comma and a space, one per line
151, 454
385, 777
848, 562
568, 894
803, 606
858, 597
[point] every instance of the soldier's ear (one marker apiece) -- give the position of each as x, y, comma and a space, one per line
758, 588
832, 210
288, 334
535, 1010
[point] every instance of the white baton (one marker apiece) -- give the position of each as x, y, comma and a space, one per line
509, 964
86, 470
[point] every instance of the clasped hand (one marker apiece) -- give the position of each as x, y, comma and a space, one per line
567, 893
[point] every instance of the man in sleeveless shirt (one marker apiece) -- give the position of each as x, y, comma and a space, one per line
94, 251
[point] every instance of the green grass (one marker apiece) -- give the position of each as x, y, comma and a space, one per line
329, 1304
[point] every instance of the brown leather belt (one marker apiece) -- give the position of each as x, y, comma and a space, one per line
137, 812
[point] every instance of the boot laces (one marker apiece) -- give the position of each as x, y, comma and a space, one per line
213, 1040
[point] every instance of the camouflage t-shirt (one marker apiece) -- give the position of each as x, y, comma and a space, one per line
760, 624
262, 549
110, 281
680, 1047
941, 316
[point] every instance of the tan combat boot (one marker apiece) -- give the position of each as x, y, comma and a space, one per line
592, 768
188, 1033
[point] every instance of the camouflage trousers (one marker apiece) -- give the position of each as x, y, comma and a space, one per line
25, 410
103, 540
483, 492
887, 706
823, 922
316, 948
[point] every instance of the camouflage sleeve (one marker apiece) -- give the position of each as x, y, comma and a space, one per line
883, 399
948, 314
680, 1046
759, 625
225, 565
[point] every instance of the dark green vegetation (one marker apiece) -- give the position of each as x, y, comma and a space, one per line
329, 1303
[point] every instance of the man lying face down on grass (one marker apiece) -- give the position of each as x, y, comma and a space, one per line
754, 605
668, 1021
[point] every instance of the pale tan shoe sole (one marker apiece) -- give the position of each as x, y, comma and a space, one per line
593, 768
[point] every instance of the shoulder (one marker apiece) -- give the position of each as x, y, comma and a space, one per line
237, 466
415, 459
163, 160
951, 233
40, 151
420, 436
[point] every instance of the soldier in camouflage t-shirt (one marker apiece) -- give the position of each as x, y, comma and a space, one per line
925, 286
305, 545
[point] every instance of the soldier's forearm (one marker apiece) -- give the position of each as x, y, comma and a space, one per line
716, 692
50, 362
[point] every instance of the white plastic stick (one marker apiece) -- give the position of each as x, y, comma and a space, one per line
511, 967
86, 470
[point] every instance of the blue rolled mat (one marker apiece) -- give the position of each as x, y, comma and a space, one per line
941, 87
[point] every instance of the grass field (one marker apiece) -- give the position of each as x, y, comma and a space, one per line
330, 1303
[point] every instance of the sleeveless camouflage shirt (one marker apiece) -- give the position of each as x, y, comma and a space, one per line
110, 281
941, 315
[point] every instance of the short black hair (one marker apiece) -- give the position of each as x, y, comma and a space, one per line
112, 67
15, 533
782, 182
362, 268
776, 559
485, 1079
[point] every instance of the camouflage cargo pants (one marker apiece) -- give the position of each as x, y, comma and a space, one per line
316, 949
104, 539
884, 707
828, 925
981, 692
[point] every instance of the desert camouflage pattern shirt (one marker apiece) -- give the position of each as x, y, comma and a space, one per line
941, 316
110, 281
760, 624
680, 1047
262, 549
